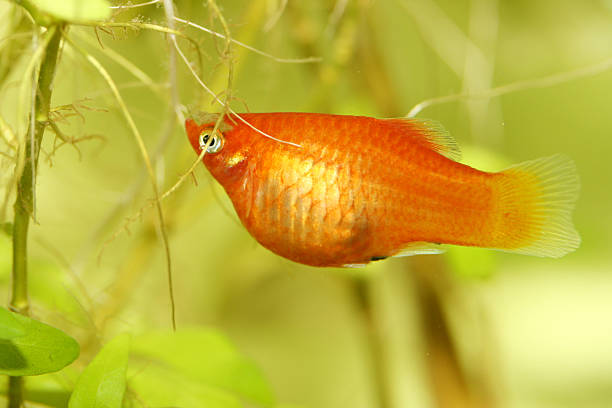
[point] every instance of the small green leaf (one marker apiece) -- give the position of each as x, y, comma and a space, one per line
102, 383
41, 349
206, 362
75, 11
161, 386
9, 326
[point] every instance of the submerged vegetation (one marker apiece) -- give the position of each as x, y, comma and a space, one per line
129, 282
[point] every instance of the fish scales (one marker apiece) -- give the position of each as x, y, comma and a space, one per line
360, 188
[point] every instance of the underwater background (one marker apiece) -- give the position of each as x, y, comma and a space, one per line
468, 328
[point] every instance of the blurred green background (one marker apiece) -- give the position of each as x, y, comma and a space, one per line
470, 328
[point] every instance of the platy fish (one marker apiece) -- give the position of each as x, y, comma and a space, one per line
347, 190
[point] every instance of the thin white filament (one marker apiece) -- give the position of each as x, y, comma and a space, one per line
248, 47
220, 102
128, 6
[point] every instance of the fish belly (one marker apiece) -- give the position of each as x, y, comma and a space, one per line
309, 211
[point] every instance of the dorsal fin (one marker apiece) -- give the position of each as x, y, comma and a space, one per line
431, 134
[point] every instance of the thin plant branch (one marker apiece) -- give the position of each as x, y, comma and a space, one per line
543, 82
335, 16
129, 6
248, 47
275, 16
140, 25
227, 56
28, 73
128, 66
190, 67
230, 110
224, 104
140, 142
24, 201
169, 11
7, 135
445, 38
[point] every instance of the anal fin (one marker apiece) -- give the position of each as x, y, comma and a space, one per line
420, 248
413, 248
355, 265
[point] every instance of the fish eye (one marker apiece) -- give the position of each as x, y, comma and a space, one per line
215, 145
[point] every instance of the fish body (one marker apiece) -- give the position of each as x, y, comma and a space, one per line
358, 189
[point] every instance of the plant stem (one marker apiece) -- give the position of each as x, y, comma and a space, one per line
15, 392
24, 201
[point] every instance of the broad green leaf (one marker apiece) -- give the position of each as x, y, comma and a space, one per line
41, 349
9, 326
77, 11
159, 385
102, 383
205, 359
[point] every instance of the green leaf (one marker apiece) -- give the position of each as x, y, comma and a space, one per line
9, 326
202, 360
41, 349
102, 383
162, 386
76, 11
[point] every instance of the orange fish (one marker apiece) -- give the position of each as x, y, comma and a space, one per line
347, 190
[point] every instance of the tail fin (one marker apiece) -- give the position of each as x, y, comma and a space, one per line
536, 199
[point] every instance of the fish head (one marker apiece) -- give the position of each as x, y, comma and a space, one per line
226, 151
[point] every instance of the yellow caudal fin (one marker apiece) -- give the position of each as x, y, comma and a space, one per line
534, 211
